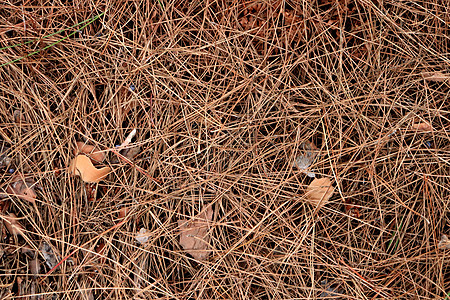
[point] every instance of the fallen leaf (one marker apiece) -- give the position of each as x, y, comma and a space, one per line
424, 126
329, 291
123, 212
308, 154
83, 167
143, 235
5, 160
50, 258
444, 243
34, 266
100, 249
23, 188
436, 76
194, 234
319, 192
12, 224
94, 153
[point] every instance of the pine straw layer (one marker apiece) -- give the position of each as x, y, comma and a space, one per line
223, 94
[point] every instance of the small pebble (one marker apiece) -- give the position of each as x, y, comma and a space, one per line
11, 171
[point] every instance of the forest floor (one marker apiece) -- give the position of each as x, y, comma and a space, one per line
218, 149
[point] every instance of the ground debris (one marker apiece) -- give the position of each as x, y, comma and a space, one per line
194, 234
83, 167
308, 154
142, 236
51, 259
444, 243
319, 192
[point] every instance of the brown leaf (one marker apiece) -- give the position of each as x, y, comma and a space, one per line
424, 126
94, 153
319, 192
83, 167
34, 266
23, 188
194, 234
100, 249
12, 224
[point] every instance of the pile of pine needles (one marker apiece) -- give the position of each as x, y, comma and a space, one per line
223, 96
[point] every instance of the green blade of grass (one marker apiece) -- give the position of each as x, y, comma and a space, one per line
88, 22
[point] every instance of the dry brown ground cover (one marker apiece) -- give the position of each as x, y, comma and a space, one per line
225, 96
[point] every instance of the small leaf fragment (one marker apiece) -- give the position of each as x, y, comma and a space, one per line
83, 167
142, 236
34, 266
319, 192
12, 224
23, 188
194, 234
424, 126
444, 243
50, 258
94, 153
5, 159
307, 155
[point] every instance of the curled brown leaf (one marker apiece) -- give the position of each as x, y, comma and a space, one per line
83, 167
94, 153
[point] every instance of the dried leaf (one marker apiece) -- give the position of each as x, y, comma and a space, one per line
5, 160
12, 224
444, 243
130, 153
436, 76
34, 266
123, 212
83, 167
307, 156
424, 126
23, 188
100, 249
50, 258
319, 191
194, 234
143, 235
94, 153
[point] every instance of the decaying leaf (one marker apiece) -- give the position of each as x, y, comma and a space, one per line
5, 160
34, 266
50, 258
444, 243
308, 154
424, 126
194, 234
329, 292
23, 188
94, 153
436, 76
319, 192
12, 224
143, 235
83, 167
100, 249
